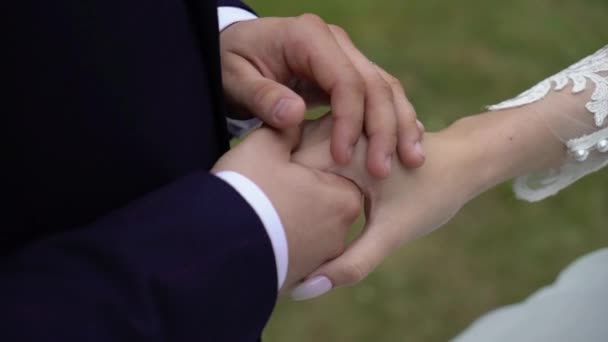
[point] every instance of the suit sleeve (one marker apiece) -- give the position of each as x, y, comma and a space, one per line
172, 266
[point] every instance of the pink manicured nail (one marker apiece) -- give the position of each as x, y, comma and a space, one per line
311, 288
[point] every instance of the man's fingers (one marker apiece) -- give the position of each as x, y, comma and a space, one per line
272, 102
409, 129
380, 126
380, 110
322, 60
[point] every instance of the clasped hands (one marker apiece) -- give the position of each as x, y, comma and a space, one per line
319, 199
317, 173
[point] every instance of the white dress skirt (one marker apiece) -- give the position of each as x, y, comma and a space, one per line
573, 309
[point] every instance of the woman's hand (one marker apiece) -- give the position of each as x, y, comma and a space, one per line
471, 156
408, 204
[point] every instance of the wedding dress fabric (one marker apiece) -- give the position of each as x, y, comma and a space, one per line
575, 307
585, 131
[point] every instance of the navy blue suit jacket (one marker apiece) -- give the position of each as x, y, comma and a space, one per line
115, 230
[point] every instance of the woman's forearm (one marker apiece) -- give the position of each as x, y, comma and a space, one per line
506, 144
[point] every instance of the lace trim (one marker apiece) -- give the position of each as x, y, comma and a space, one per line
579, 73
536, 187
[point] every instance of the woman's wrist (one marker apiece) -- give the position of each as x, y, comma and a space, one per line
459, 163
494, 147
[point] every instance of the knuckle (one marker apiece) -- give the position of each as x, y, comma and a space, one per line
312, 19
394, 83
337, 30
385, 143
410, 128
352, 205
353, 273
299, 45
407, 119
391, 139
263, 94
385, 88
355, 82
383, 124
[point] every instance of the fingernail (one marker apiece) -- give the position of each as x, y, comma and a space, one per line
418, 149
281, 108
388, 163
313, 287
420, 125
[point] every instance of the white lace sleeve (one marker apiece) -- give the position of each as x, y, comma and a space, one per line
582, 124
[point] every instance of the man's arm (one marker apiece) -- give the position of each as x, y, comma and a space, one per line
187, 262
171, 266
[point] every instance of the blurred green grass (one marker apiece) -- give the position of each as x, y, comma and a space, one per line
453, 58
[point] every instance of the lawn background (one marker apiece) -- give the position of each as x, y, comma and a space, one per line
453, 58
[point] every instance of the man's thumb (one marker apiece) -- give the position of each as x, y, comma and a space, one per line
275, 104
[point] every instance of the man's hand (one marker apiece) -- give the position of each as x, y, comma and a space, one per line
274, 68
315, 208
408, 204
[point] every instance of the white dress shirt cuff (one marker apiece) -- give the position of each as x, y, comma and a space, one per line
267, 214
227, 16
